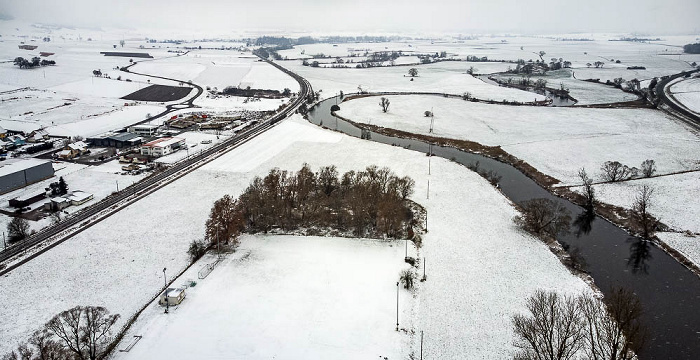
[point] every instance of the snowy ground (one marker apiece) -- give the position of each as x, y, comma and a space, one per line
671, 202
445, 77
220, 69
687, 92
286, 297
688, 245
556, 141
462, 247
585, 92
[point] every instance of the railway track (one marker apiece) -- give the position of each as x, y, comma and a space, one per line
110, 205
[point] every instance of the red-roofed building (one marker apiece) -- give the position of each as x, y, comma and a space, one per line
162, 146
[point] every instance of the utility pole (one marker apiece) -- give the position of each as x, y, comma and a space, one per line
117, 181
428, 191
3, 240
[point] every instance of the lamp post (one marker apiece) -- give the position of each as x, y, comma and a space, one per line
165, 279
397, 306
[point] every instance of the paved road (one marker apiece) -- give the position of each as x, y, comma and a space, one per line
147, 185
686, 115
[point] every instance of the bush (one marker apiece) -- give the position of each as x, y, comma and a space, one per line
407, 278
544, 217
17, 229
614, 171
648, 168
197, 250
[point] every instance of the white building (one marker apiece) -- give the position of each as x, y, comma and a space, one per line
174, 296
147, 130
162, 146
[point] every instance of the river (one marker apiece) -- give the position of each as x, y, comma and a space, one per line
669, 292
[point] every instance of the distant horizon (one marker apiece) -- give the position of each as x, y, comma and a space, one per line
673, 17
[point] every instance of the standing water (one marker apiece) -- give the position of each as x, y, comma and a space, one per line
669, 292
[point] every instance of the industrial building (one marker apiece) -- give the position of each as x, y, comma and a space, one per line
162, 146
117, 140
16, 173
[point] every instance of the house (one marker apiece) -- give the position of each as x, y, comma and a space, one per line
57, 204
73, 150
38, 135
16, 173
15, 140
28, 47
79, 198
172, 296
3, 132
162, 146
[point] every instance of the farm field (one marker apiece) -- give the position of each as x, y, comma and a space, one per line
444, 77
557, 141
687, 92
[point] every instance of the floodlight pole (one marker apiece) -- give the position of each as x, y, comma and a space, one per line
165, 279
397, 306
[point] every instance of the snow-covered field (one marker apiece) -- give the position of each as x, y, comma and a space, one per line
445, 77
674, 200
687, 92
585, 92
688, 245
220, 69
285, 297
557, 141
123, 268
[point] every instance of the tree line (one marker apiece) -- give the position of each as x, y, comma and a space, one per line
34, 62
369, 203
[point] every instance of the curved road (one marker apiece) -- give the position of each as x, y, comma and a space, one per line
686, 115
147, 185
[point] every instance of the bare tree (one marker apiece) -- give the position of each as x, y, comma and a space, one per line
413, 72
225, 222
640, 212
588, 190
613, 327
614, 171
544, 217
648, 168
84, 330
17, 229
122, 42
553, 329
384, 103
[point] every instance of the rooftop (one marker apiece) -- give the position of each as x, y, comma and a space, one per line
163, 142
12, 166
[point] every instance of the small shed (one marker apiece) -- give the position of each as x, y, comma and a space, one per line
174, 296
57, 204
79, 197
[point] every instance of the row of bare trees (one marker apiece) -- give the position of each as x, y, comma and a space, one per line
372, 202
565, 327
614, 171
83, 333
